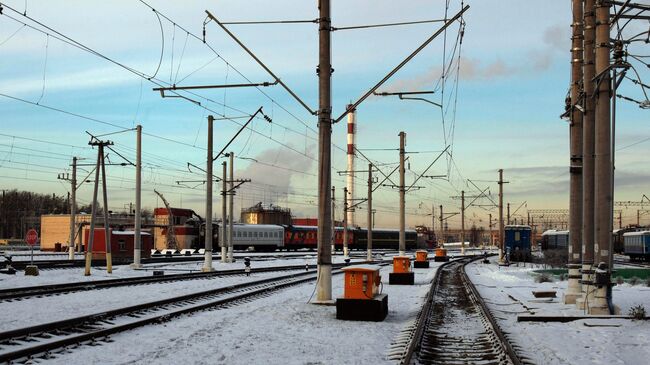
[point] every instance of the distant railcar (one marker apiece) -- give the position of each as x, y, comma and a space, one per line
637, 245
262, 237
517, 242
384, 239
555, 240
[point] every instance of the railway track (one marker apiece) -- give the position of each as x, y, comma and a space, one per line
58, 289
159, 259
455, 326
40, 341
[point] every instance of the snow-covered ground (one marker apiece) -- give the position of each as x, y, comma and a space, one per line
508, 293
279, 329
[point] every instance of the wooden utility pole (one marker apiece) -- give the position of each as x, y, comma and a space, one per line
402, 195
137, 244
207, 264
575, 159
93, 214
324, 261
508, 215
99, 167
107, 225
370, 223
345, 222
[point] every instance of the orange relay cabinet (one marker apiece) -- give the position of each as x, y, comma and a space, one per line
401, 264
361, 282
421, 259
361, 300
441, 255
402, 274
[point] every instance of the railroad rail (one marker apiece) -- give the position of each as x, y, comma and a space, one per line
39, 341
455, 325
57, 289
158, 259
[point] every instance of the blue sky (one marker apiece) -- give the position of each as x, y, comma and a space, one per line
514, 75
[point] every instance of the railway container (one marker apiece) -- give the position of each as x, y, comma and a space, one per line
517, 242
121, 244
637, 245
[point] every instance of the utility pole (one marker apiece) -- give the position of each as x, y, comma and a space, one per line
508, 220
333, 220
490, 228
402, 191
107, 225
603, 154
588, 139
345, 222
137, 245
99, 167
73, 206
433, 220
207, 264
93, 214
224, 217
370, 220
620, 219
324, 282
575, 146
230, 206
442, 228
501, 227
462, 222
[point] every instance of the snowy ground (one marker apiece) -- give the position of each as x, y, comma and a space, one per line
508, 293
279, 329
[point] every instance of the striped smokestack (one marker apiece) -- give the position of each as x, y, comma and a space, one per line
350, 174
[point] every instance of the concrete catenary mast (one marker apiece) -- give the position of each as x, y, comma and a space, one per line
575, 146
349, 198
324, 282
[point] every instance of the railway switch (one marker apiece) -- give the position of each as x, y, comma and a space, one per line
362, 299
421, 259
402, 274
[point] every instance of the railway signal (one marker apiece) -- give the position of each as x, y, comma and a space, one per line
31, 237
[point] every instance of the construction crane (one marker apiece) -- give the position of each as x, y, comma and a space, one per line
172, 244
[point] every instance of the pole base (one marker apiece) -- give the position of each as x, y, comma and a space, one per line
375, 309
31, 270
207, 269
135, 266
401, 278
421, 264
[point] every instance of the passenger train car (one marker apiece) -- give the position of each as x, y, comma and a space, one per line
269, 237
517, 242
555, 240
637, 245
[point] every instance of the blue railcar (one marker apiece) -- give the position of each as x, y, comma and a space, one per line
637, 245
517, 242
